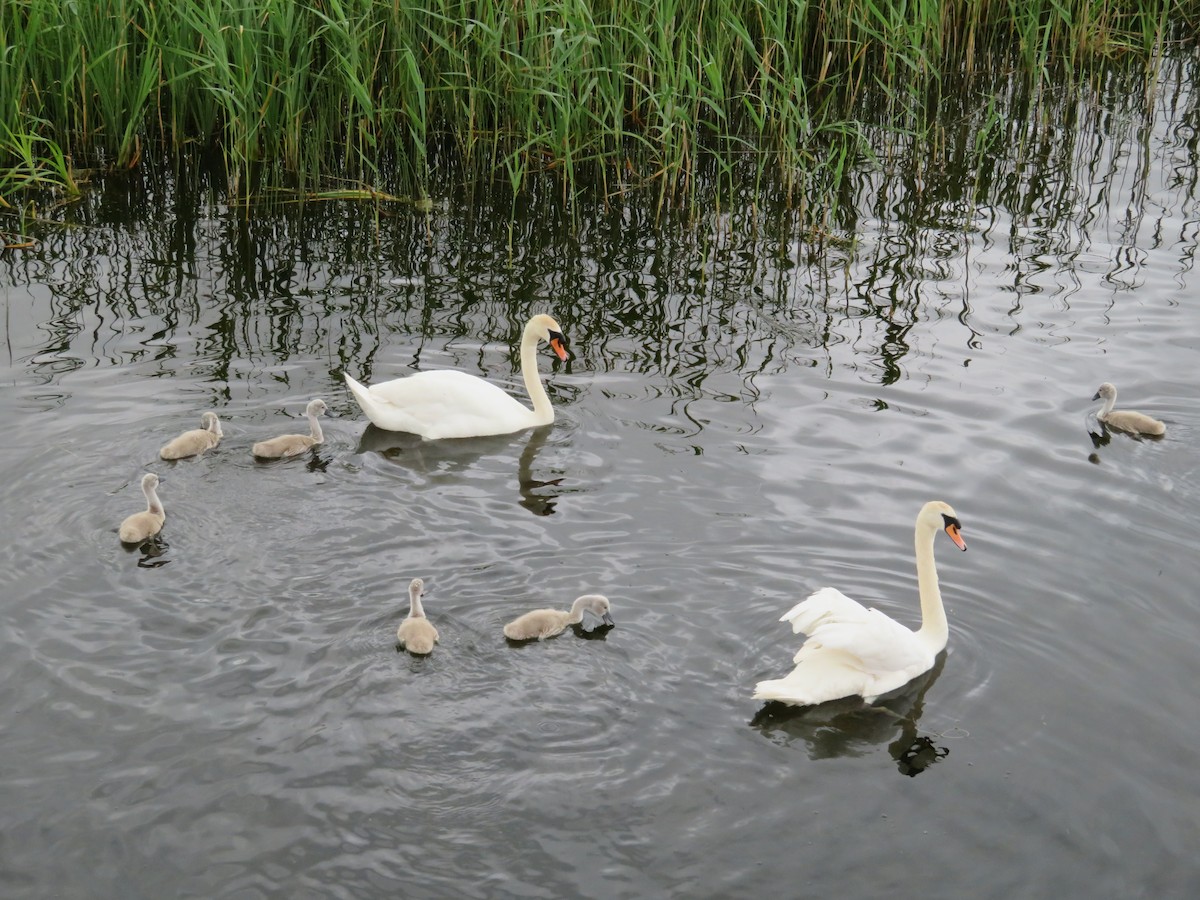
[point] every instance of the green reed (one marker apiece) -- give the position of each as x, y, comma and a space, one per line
613, 95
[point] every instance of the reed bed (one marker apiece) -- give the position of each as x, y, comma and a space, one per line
371, 96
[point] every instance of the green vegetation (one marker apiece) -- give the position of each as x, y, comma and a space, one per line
372, 96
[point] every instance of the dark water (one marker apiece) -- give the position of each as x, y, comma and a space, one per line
745, 419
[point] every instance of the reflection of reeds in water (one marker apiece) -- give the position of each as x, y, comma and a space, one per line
178, 284
357, 97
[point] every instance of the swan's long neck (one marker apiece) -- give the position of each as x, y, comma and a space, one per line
934, 627
153, 504
1109, 403
415, 609
313, 424
543, 411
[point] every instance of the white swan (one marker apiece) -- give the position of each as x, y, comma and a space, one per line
544, 623
292, 444
855, 651
196, 441
1124, 419
451, 404
416, 634
147, 524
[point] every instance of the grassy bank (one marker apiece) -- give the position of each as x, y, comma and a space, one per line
620, 95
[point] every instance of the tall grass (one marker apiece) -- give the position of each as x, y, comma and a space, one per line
616, 94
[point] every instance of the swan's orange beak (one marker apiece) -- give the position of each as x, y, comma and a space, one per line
952, 530
558, 346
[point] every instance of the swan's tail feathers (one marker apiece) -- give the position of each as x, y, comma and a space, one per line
362, 396
823, 607
358, 390
818, 678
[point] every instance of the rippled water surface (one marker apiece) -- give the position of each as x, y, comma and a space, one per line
745, 418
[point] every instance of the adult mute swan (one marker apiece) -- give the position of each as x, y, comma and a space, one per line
855, 651
544, 623
147, 524
196, 441
1124, 419
416, 634
292, 444
450, 404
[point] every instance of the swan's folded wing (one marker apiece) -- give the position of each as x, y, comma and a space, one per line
443, 403
880, 643
826, 606
438, 388
821, 676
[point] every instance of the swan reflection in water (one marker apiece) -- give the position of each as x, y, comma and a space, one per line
851, 727
415, 453
151, 552
1101, 437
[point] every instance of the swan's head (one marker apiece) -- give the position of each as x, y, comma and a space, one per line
596, 604
549, 331
416, 588
1106, 391
938, 516
149, 484
315, 408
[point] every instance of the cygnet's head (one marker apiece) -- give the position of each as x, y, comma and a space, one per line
315, 407
1106, 391
597, 605
416, 588
548, 330
210, 421
149, 481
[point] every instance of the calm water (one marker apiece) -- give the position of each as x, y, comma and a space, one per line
744, 419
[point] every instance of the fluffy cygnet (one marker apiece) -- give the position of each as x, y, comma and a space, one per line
143, 525
416, 634
196, 441
544, 623
293, 444
1124, 419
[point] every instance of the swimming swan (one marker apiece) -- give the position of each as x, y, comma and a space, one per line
451, 404
544, 623
854, 651
143, 525
1124, 419
416, 634
292, 444
196, 441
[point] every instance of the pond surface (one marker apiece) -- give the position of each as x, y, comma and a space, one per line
744, 419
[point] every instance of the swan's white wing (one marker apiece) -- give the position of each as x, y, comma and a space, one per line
441, 404
438, 388
866, 657
822, 607
445, 393
851, 650
881, 645
823, 675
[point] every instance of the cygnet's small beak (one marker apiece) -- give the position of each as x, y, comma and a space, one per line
607, 619
1096, 396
